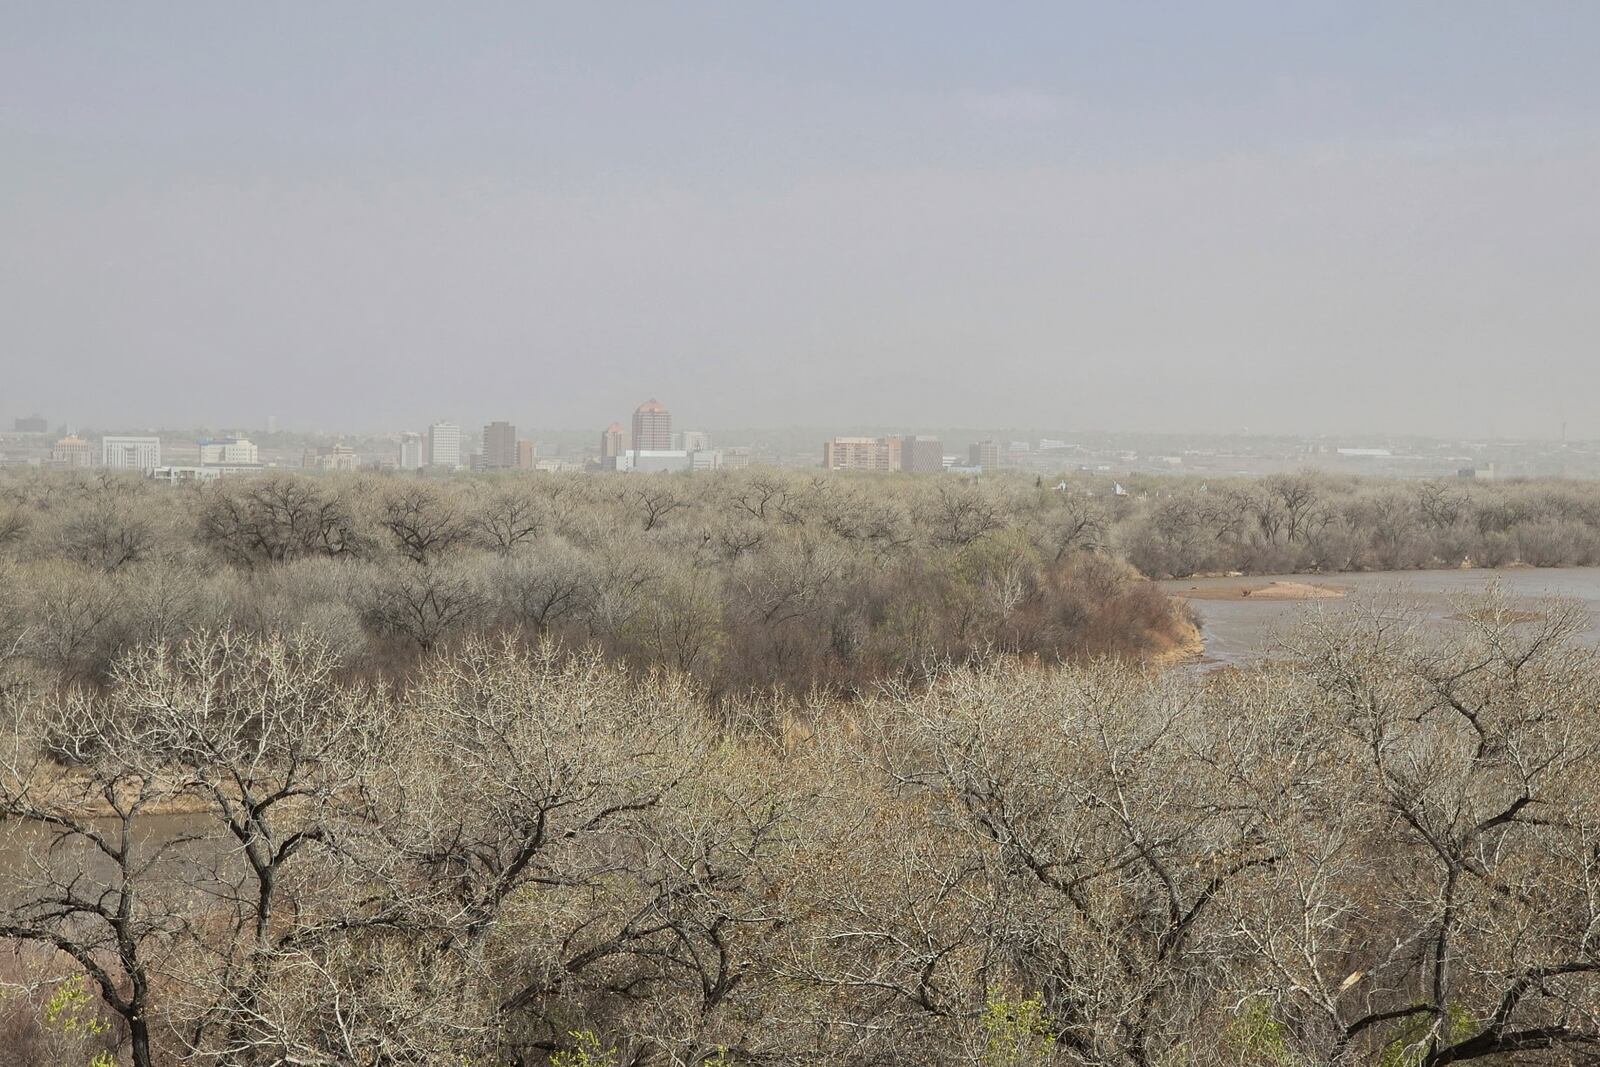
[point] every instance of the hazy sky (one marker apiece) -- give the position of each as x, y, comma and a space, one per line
1282, 216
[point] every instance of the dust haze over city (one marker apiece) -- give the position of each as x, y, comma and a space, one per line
739, 535
1326, 218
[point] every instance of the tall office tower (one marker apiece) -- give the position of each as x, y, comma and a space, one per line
412, 454
695, 440
499, 446
985, 454
444, 446
652, 428
525, 455
610, 446
921, 454
71, 451
861, 454
130, 453
31, 424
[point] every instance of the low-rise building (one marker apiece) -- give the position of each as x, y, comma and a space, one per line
121, 452
340, 457
231, 453
71, 451
179, 474
654, 460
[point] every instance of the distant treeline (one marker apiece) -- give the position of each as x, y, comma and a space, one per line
743, 581
1314, 522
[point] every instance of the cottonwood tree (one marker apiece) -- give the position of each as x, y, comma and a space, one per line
509, 517
424, 522
1104, 844
1441, 898
90, 878
260, 521
423, 604
528, 775
544, 585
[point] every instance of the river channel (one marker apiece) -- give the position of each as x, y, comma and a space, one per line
1238, 628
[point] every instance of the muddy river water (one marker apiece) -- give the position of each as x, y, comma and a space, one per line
1239, 628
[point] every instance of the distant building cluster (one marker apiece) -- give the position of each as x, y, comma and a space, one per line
915, 454
649, 441
654, 446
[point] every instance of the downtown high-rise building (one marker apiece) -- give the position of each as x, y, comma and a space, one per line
921, 454
499, 446
413, 456
610, 446
444, 446
861, 454
652, 428
985, 455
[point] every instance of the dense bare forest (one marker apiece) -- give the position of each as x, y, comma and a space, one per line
779, 770
742, 582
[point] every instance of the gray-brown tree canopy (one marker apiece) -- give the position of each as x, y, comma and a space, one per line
794, 771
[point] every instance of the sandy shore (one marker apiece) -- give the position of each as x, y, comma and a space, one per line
1263, 591
1188, 644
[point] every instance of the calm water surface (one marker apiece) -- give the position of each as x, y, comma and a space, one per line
1239, 630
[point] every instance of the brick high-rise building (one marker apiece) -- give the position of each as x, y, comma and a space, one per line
499, 446
861, 454
921, 455
652, 428
610, 445
525, 455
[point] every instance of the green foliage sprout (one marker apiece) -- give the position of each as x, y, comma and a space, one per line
1016, 1032
587, 1052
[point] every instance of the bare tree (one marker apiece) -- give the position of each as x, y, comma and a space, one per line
424, 522
275, 519
509, 518
425, 605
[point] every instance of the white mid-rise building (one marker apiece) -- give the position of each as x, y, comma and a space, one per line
412, 456
234, 453
130, 453
444, 446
